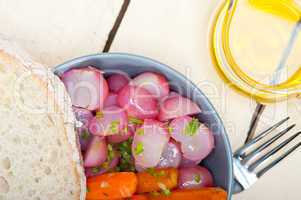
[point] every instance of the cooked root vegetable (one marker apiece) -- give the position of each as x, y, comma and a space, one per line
139, 197
177, 106
111, 186
154, 83
149, 142
117, 81
84, 116
111, 100
188, 163
138, 102
156, 180
171, 156
110, 121
194, 178
84, 138
192, 194
86, 87
196, 139
111, 162
120, 137
96, 153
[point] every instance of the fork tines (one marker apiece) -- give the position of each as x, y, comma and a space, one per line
245, 157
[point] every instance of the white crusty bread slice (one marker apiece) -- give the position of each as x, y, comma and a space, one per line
39, 154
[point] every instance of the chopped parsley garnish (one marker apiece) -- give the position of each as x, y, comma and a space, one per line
140, 131
99, 114
169, 129
114, 126
192, 127
85, 135
111, 153
152, 171
164, 189
139, 148
197, 178
126, 163
135, 121
95, 170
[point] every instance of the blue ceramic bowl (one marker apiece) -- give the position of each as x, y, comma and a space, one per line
220, 160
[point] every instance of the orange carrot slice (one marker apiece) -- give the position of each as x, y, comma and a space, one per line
111, 186
192, 194
154, 179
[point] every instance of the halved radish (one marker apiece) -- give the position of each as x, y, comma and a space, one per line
154, 83
138, 102
177, 106
171, 156
105, 167
96, 153
148, 143
194, 178
111, 100
189, 163
120, 137
84, 116
196, 139
86, 87
110, 121
117, 82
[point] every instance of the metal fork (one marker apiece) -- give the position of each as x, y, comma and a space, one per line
246, 164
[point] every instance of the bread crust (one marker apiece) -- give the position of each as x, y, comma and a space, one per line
59, 100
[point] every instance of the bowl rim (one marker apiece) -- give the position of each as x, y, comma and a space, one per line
65, 66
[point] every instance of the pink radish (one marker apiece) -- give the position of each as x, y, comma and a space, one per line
95, 171
177, 106
110, 121
138, 102
120, 137
194, 178
171, 156
189, 163
196, 139
117, 82
154, 83
86, 87
149, 143
84, 116
111, 100
96, 153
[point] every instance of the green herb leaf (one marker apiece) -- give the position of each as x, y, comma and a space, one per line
140, 131
126, 163
164, 189
99, 114
169, 129
114, 126
192, 127
135, 121
111, 153
139, 148
85, 135
197, 178
156, 173
95, 170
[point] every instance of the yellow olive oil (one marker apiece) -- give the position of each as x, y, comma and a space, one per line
256, 45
